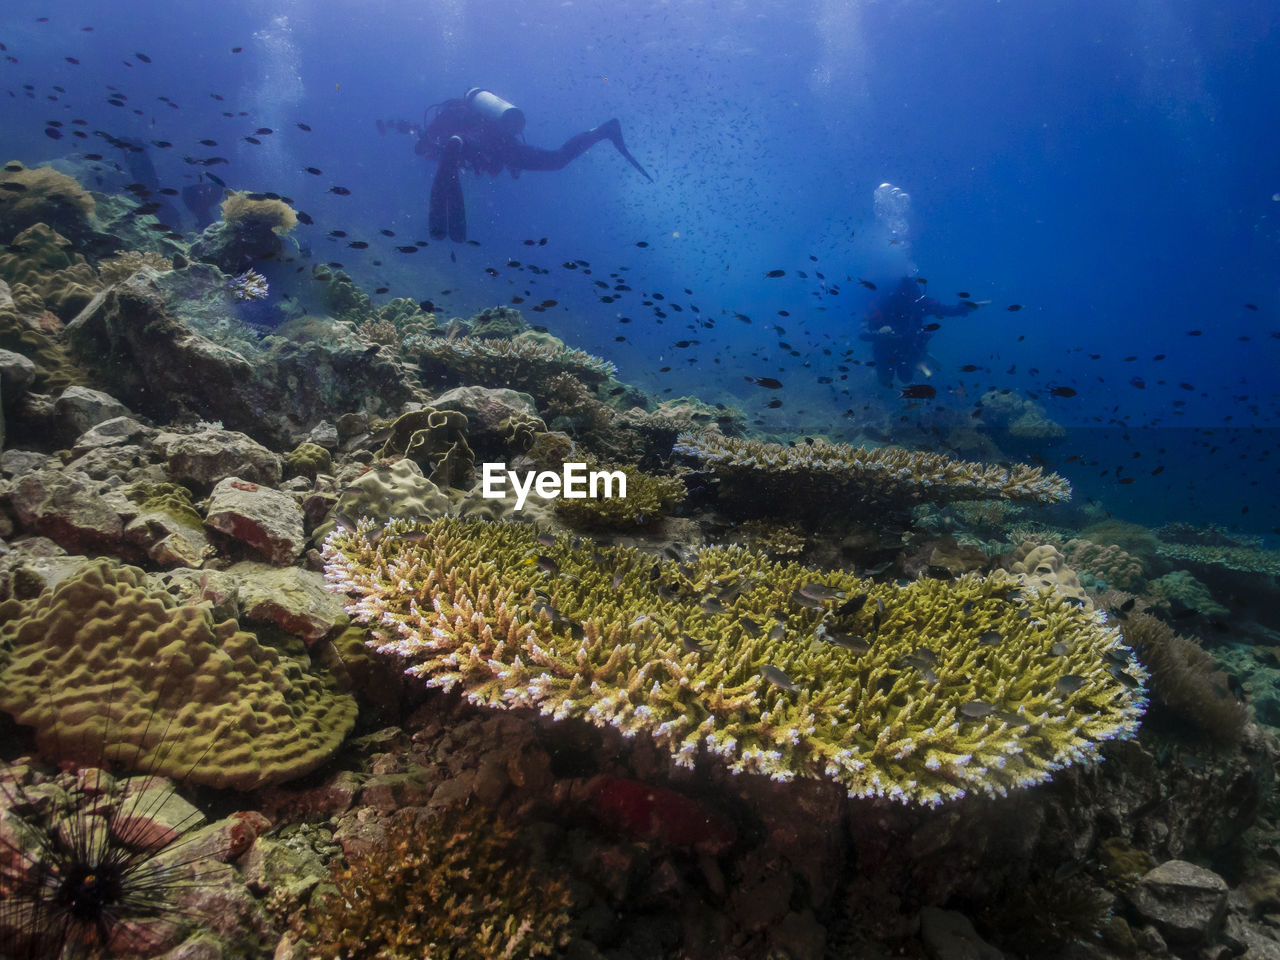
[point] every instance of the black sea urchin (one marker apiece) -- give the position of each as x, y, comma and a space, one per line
90, 866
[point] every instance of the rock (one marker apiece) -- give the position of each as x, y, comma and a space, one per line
79, 408
282, 867
485, 409
115, 432
167, 540
152, 816
17, 373
16, 463
266, 521
124, 462
226, 839
68, 509
293, 599
324, 434
35, 564
1186, 903
389, 792
949, 935
216, 587
203, 458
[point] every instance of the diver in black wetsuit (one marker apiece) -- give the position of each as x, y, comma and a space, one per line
896, 329
484, 132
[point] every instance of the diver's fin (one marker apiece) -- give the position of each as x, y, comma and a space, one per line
448, 213
613, 130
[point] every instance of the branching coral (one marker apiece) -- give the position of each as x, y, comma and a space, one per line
831, 472
459, 887
1239, 559
103, 667
129, 262
522, 363
648, 498
919, 693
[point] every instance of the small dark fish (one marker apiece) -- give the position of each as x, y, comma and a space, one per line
254, 140
407, 249
1251, 306
13, 186
1127, 679
209, 143
846, 641
851, 606
1059, 649
711, 606
800, 599
930, 327
358, 245
991, 638
1069, 684
867, 283
381, 290
1063, 392
776, 632
340, 191
337, 233
72, 60
1014, 307
977, 709
304, 217
774, 404
236, 49
263, 132
963, 294
772, 274
918, 391
769, 383
53, 133
642, 243
162, 144
143, 57
778, 678
750, 627
693, 646
491, 271
314, 171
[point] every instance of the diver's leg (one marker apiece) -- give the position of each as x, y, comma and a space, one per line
448, 215
526, 157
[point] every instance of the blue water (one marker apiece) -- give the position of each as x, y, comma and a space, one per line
1110, 167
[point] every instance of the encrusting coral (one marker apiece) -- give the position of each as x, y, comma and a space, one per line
832, 472
523, 363
107, 669
455, 886
44, 261
436, 440
920, 693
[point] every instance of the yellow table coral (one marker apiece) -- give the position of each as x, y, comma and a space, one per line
919, 693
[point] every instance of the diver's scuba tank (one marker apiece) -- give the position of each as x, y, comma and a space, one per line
492, 107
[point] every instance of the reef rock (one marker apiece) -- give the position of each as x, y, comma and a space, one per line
266, 521
203, 458
78, 409
293, 599
1186, 903
68, 508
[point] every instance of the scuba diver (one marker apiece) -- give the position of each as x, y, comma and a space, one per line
897, 332
482, 131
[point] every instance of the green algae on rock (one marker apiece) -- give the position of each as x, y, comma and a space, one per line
920, 693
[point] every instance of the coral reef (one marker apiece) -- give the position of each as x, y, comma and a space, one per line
43, 195
307, 460
648, 498
1180, 587
772, 537
457, 885
1185, 680
523, 363
831, 475
102, 666
253, 212
1239, 559
1210, 535
128, 262
250, 231
1018, 418
436, 440
496, 322
1114, 567
1042, 565
44, 261
919, 693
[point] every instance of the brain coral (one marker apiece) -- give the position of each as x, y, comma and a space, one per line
104, 668
919, 693
822, 470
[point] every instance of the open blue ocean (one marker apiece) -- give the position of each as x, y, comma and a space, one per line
937, 343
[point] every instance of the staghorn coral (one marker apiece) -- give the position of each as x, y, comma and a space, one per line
458, 886
523, 363
823, 473
102, 667
919, 693
128, 262
1108, 563
1210, 535
648, 498
773, 537
1185, 680
42, 195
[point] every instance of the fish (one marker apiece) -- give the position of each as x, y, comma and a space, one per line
809, 603
1069, 684
358, 245
845, 641
693, 646
1014, 307
918, 391
406, 249
1059, 649
774, 404
778, 678
208, 143
1062, 392
340, 191
263, 132
851, 606
769, 383
822, 592
314, 171
991, 638
867, 283
774, 274
977, 709
337, 233
143, 57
